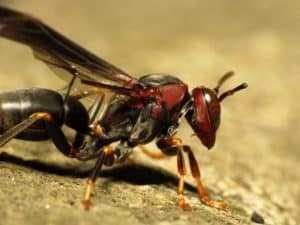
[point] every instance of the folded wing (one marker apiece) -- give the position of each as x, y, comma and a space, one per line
61, 54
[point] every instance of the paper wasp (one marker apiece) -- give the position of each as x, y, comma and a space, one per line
142, 110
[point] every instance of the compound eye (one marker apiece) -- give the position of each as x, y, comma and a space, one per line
206, 116
213, 108
207, 109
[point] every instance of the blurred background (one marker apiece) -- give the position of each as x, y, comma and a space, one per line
254, 165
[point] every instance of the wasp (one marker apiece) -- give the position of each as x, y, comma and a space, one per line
142, 110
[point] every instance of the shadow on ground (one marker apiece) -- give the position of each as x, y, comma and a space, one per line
136, 174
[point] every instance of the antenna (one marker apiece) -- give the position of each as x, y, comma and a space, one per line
225, 77
232, 91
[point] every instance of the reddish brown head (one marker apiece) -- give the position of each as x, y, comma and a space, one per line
205, 117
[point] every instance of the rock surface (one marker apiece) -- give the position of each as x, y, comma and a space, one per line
254, 165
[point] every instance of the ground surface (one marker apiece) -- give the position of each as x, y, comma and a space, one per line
254, 165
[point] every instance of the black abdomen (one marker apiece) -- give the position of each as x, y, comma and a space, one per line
18, 105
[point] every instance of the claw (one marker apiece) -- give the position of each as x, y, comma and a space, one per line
87, 204
215, 204
87, 198
185, 206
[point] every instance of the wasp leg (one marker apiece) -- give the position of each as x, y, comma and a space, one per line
58, 137
168, 145
80, 94
95, 108
53, 130
70, 85
202, 192
182, 173
76, 74
14, 131
173, 146
93, 112
152, 154
106, 155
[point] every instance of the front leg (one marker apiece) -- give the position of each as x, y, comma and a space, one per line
202, 192
172, 146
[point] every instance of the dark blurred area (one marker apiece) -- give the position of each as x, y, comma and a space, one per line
257, 153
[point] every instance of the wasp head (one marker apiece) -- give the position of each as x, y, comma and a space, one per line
206, 110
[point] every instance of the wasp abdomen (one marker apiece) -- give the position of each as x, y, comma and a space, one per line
17, 105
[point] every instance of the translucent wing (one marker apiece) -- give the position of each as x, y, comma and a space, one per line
57, 51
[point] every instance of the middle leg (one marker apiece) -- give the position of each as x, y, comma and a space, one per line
172, 146
182, 173
151, 154
107, 154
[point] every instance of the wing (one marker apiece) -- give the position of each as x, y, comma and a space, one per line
57, 51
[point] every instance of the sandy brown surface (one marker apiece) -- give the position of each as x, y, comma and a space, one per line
254, 165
